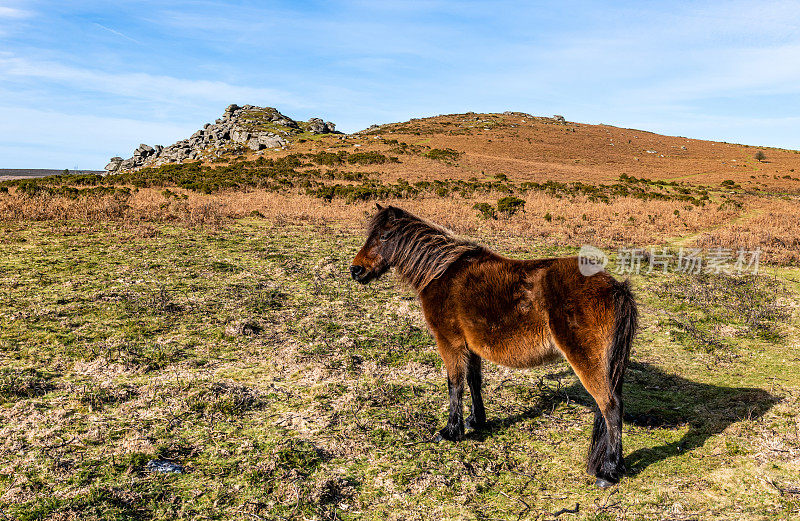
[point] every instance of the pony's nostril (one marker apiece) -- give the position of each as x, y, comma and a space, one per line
356, 271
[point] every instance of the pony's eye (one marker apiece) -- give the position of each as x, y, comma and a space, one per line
385, 235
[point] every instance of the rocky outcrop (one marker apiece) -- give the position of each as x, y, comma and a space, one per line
239, 130
113, 164
317, 126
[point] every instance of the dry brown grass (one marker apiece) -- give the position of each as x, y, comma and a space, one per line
143, 205
575, 221
773, 226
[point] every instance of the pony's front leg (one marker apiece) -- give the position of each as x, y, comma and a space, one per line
454, 361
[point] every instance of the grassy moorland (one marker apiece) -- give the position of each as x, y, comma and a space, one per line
215, 326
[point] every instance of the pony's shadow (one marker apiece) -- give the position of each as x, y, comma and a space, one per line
657, 399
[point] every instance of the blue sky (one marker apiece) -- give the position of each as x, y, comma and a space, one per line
81, 81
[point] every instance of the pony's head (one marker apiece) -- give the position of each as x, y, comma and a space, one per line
372, 260
420, 250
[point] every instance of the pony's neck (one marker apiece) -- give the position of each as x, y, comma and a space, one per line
424, 252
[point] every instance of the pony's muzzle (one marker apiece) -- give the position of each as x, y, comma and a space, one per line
357, 272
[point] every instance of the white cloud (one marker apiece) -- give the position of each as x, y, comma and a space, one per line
142, 86
10, 12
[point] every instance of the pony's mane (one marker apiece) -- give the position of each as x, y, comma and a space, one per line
420, 250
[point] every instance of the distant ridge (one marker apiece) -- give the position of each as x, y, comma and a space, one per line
41, 172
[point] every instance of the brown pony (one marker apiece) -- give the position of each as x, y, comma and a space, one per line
518, 313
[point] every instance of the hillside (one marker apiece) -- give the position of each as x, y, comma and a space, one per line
535, 149
521, 146
575, 183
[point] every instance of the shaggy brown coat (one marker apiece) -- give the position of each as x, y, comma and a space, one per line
518, 313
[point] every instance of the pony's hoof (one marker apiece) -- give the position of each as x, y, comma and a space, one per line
446, 435
602, 483
470, 424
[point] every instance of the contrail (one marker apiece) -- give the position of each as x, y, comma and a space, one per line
116, 32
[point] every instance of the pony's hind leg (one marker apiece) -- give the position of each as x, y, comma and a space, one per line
605, 452
605, 456
477, 417
589, 361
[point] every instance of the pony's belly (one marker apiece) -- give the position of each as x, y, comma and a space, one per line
519, 351
515, 335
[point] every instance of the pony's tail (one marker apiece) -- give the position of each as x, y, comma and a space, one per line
626, 320
605, 452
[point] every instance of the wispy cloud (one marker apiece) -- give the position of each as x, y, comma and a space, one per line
11, 12
149, 87
114, 31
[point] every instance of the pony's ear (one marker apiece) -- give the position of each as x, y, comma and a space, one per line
392, 213
378, 206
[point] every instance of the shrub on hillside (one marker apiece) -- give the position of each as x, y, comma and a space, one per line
446, 154
510, 205
485, 210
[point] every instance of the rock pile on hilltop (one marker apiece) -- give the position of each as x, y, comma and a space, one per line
239, 129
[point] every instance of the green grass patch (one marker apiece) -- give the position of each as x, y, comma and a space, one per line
119, 347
